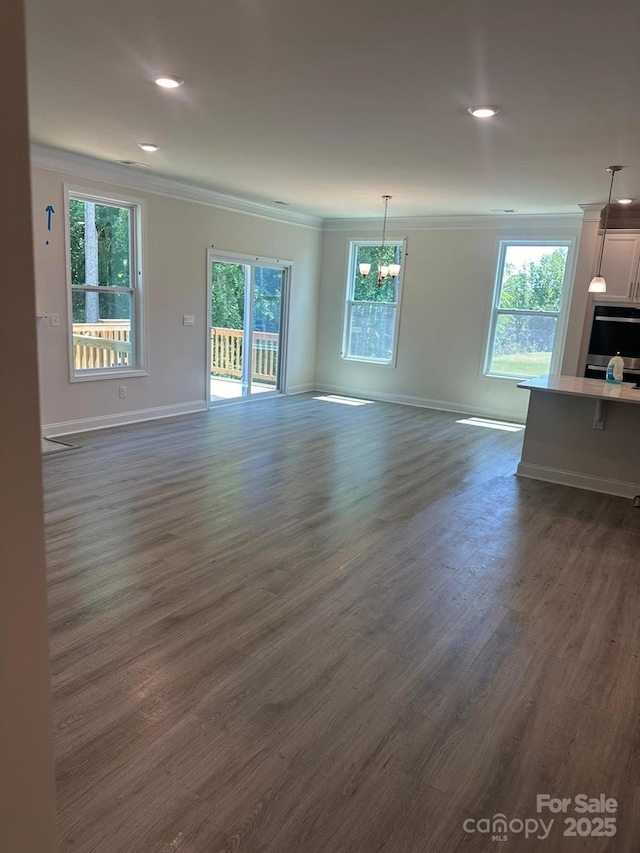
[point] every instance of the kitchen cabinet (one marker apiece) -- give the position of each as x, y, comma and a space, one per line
620, 267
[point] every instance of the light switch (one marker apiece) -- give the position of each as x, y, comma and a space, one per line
55, 319
188, 320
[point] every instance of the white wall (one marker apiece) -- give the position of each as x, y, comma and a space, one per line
27, 798
448, 285
581, 311
176, 236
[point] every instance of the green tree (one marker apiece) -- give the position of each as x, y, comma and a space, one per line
537, 286
366, 288
267, 299
113, 231
227, 295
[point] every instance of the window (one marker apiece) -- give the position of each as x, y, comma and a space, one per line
105, 282
372, 312
529, 298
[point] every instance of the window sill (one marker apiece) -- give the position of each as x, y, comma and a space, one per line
510, 377
92, 375
368, 361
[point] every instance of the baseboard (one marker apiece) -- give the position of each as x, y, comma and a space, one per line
300, 389
424, 403
105, 421
578, 481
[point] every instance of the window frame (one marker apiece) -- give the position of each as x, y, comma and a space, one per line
252, 261
138, 366
561, 314
349, 302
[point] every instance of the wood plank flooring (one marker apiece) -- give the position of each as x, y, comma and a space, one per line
294, 626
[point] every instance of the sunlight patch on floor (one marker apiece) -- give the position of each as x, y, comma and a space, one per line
346, 401
487, 423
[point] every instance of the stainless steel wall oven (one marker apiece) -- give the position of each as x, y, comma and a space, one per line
615, 329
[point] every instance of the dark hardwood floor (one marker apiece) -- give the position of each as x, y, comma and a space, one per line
296, 626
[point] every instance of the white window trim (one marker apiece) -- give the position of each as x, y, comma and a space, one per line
562, 315
140, 313
350, 284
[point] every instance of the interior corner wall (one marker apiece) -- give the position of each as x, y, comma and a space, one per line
177, 234
27, 789
581, 310
448, 284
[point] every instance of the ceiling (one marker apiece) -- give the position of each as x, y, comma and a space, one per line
328, 105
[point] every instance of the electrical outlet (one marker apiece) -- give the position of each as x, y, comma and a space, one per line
122, 391
55, 319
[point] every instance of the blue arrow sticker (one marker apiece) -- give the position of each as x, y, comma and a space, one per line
49, 210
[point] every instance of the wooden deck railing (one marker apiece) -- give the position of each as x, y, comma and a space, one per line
103, 344
226, 354
108, 344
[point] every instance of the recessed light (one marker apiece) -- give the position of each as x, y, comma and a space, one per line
624, 200
483, 111
168, 81
148, 146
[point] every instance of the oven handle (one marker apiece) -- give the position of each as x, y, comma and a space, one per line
618, 319
604, 369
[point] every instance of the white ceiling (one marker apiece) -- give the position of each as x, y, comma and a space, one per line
328, 105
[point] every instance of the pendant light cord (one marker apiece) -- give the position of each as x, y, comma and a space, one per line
385, 199
384, 226
384, 221
613, 170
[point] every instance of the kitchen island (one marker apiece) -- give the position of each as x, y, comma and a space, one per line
583, 433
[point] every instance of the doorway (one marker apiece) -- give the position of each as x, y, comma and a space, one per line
247, 322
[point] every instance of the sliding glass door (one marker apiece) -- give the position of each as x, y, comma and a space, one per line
266, 319
247, 302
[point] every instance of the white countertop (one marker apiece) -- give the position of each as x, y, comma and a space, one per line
595, 388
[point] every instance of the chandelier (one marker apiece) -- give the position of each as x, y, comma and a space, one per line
384, 270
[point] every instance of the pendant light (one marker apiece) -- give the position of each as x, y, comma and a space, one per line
597, 283
384, 270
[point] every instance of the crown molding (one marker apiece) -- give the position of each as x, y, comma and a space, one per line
130, 177
509, 221
93, 169
592, 212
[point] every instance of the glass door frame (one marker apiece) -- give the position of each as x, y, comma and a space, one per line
251, 261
